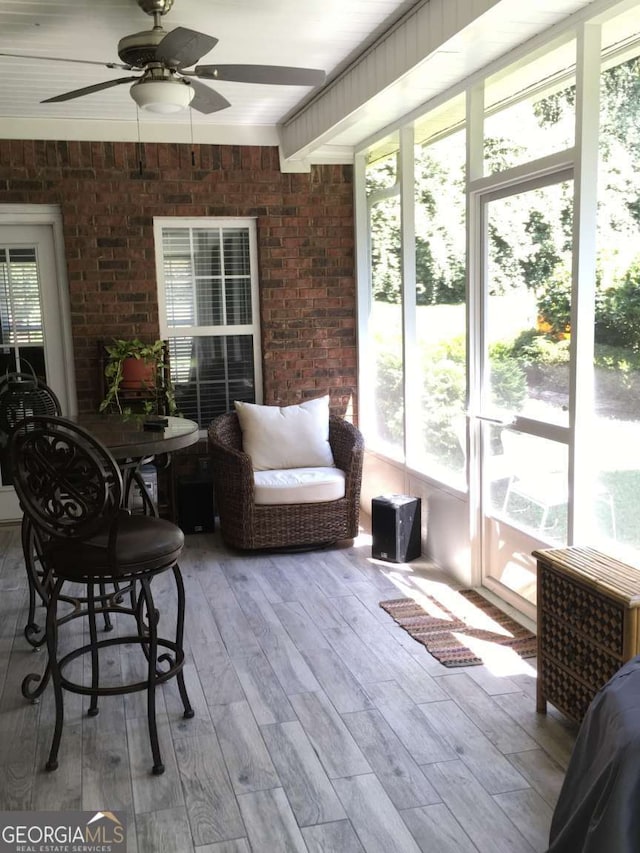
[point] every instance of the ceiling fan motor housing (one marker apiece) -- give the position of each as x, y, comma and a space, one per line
139, 49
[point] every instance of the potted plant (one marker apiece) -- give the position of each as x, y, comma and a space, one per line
139, 369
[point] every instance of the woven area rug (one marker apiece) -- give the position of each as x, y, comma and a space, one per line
457, 632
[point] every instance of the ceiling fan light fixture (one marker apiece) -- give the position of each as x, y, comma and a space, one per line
162, 96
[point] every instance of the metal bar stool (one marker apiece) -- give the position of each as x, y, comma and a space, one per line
70, 488
23, 394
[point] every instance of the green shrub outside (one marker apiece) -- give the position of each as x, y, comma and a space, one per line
532, 347
508, 379
618, 312
443, 394
389, 397
443, 400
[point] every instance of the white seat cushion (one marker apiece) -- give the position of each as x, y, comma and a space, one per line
299, 485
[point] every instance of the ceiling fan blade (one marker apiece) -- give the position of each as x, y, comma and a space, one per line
281, 75
63, 59
182, 47
206, 100
87, 90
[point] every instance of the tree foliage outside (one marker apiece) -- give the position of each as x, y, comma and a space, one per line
440, 222
384, 228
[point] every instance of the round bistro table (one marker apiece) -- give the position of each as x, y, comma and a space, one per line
132, 445
127, 438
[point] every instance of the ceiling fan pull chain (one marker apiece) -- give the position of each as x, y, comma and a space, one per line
139, 142
193, 153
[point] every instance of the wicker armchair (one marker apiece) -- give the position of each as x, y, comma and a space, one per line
247, 525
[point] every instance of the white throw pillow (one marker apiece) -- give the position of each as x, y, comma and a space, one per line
286, 436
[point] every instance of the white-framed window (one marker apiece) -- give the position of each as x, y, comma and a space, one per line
208, 305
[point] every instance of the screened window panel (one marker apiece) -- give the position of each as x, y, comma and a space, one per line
210, 372
178, 276
207, 275
238, 302
210, 310
236, 252
20, 306
207, 251
179, 282
5, 312
181, 353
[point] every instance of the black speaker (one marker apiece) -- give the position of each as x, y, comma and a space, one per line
196, 512
395, 528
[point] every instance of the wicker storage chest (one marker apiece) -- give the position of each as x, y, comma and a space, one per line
588, 609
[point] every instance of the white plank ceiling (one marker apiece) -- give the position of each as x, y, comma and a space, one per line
383, 58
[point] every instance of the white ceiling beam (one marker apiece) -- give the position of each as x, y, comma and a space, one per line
417, 36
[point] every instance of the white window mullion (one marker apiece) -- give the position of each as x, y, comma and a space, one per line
411, 394
475, 309
194, 295
581, 407
363, 277
223, 280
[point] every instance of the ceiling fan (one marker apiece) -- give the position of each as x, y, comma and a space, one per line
166, 85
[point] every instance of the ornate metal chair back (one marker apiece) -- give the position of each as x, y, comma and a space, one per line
68, 483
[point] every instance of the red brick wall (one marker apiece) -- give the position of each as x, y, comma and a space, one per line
109, 193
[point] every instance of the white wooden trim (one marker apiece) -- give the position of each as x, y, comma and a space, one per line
581, 485
501, 184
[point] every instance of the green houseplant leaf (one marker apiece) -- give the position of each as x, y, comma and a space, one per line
120, 350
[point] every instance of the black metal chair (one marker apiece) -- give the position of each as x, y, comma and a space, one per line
23, 394
70, 488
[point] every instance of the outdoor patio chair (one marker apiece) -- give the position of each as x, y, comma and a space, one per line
540, 481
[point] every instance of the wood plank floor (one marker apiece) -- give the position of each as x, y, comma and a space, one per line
320, 725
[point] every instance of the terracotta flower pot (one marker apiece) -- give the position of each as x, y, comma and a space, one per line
138, 373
